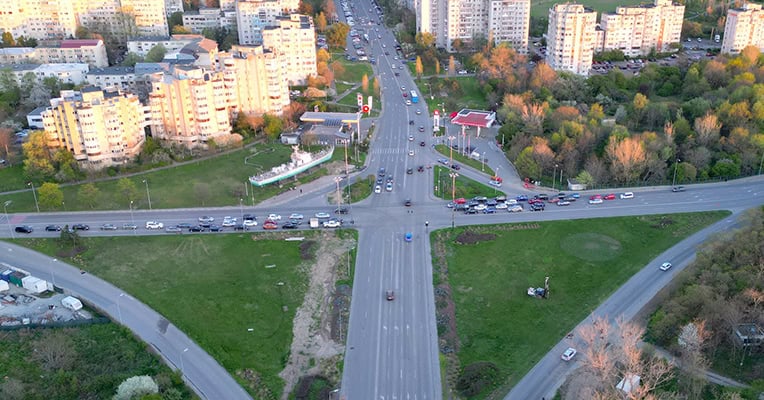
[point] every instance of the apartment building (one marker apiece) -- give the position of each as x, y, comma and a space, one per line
294, 39
744, 27
150, 16
100, 128
208, 18
171, 6
465, 20
636, 30
254, 76
571, 38
253, 16
92, 52
202, 50
66, 73
189, 107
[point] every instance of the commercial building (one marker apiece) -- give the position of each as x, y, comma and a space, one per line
100, 128
253, 16
503, 20
294, 39
254, 80
744, 27
571, 38
637, 30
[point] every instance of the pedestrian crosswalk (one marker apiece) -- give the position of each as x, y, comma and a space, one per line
388, 150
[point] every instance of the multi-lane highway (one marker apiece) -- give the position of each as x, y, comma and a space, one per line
392, 350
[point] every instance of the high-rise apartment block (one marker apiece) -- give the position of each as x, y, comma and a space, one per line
208, 18
637, 30
571, 38
294, 39
254, 77
466, 20
253, 16
744, 27
100, 128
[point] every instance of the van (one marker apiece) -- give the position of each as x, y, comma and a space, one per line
717, 38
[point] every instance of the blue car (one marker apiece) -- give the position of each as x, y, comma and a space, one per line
575, 195
521, 197
408, 236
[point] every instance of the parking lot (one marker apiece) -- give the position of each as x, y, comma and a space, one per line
539, 202
20, 307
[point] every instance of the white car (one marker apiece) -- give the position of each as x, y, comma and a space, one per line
377, 189
411, 152
154, 225
322, 215
248, 223
205, 218
502, 206
411, 138
408, 102
569, 354
627, 195
665, 266
389, 187
229, 222
511, 202
418, 112
494, 183
332, 224
516, 208
595, 201
274, 217
296, 216
480, 207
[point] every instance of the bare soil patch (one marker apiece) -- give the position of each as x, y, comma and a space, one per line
471, 237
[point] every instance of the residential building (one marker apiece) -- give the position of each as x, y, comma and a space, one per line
637, 30
253, 16
203, 51
66, 73
294, 38
171, 6
122, 78
205, 18
571, 38
91, 52
744, 27
150, 16
100, 128
18, 55
509, 22
34, 118
190, 106
254, 76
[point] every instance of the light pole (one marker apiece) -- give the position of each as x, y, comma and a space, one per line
35, 196
182, 372
241, 210
119, 309
440, 185
451, 149
132, 219
453, 176
8, 221
337, 180
554, 177
498, 177
482, 163
676, 164
761, 162
148, 195
63, 203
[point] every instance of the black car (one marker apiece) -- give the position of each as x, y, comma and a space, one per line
470, 210
420, 168
53, 228
289, 225
537, 207
184, 225
489, 210
197, 228
24, 229
456, 167
205, 225
411, 122
542, 196
215, 228
341, 210
80, 227
421, 144
249, 217
421, 128
238, 227
410, 171
407, 203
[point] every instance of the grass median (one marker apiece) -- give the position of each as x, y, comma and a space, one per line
465, 187
458, 157
488, 276
213, 287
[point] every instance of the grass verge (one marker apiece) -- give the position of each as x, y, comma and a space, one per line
213, 182
465, 187
586, 260
540, 8
86, 362
443, 149
214, 288
12, 178
360, 189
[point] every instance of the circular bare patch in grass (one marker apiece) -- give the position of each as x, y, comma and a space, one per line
590, 246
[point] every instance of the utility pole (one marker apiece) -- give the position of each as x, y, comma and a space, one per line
148, 194
34, 194
453, 176
676, 164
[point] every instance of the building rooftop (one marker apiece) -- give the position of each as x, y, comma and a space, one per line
61, 67
38, 110
112, 71
20, 67
73, 44
150, 68
320, 117
16, 51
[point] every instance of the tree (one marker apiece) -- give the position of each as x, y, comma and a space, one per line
202, 192
339, 69
329, 7
437, 68
54, 351
38, 165
627, 158
322, 56
131, 59
180, 30
175, 19
320, 22
365, 83
12, 389
424, 40
88, 194
8, 40
50, 195
526, 164
135, 387
127, 189
273, 126
451, 64
376, 86
691, 29
5, 142
419, 68
156, 54
84, 33
336, 34
707, 127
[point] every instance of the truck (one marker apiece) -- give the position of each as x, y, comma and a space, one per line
314, 223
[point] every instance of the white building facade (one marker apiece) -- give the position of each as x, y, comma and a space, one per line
744, 27
571, 38
293, 38
636, 30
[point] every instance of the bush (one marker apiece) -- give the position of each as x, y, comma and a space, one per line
477, 377
136, 387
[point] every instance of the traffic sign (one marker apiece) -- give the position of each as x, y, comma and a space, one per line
365, 109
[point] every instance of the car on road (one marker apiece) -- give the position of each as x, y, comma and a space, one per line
173, 229
108, 227
274, 217
154, 225
80, 227
403, 88
421, 144
332, 223
411, 152
24, 229
377, 189
205, 218
421, 128
420, 168
409, 171
515, 208
408, 102
407, 202
455, 167
215, 228
501, 206
610, 196
595, 200
248, 223
521, 197
322, 215
131, 227
407, 237
443, 161
197, 228
389, 187
290, 225
627, 195
296, 216
563, 203
537, 207
411, 138
411, 122
665, 266
390, 295
677, 189
418, 111
53, 228
184, 225
341, 210
229, 222
494, 183
249, 217
489, 210
381, 172
569, 354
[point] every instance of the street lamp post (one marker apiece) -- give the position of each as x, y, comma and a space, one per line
497, 179
8, 221
148, 194
676, 164
482, 163
440, 184
34, 194
453, 176
339, 195
241, 210
132, 219
119, 309
451, 149
554, 177
182, 371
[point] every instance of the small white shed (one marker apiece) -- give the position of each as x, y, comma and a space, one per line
71, 303
4, 286
34, 285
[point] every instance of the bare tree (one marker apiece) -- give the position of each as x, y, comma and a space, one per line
692, 339
707, 127
54, 350
627, 157
12, 389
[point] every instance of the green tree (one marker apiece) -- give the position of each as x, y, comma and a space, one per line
88, 194
8, 40
66, 165
38, 164
156, 54
50, 195
273, 126
127, 189
526, 164
181, 30
131, 59
175, 19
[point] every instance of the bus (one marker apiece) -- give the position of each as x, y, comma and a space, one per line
414, 97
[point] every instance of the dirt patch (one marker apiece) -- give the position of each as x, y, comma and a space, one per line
314, 350
471, 237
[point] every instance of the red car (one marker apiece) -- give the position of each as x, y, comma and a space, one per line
405, 94
460, 200
610, 196
270, 225
596, 196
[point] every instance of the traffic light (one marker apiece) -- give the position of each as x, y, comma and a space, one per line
365, 109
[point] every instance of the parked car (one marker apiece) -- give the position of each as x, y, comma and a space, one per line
521, 197
289, 225
215, 228
322, 215
515, 208
274, 217
184, 225
610, 196
665, 266
108, 227
332, 223
129, 226
197, 228
53, 228
569, 354
341, 210
249, 217
80, 227
154, 225
173, 229
296, 216
595, 201
24, 229
677, 189
205, 218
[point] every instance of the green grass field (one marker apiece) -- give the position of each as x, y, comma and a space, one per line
213, 287
12, 178
465, 187
443, 149
92, 361
469, 95
218, 181
354, 71
540, 8
586, 260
